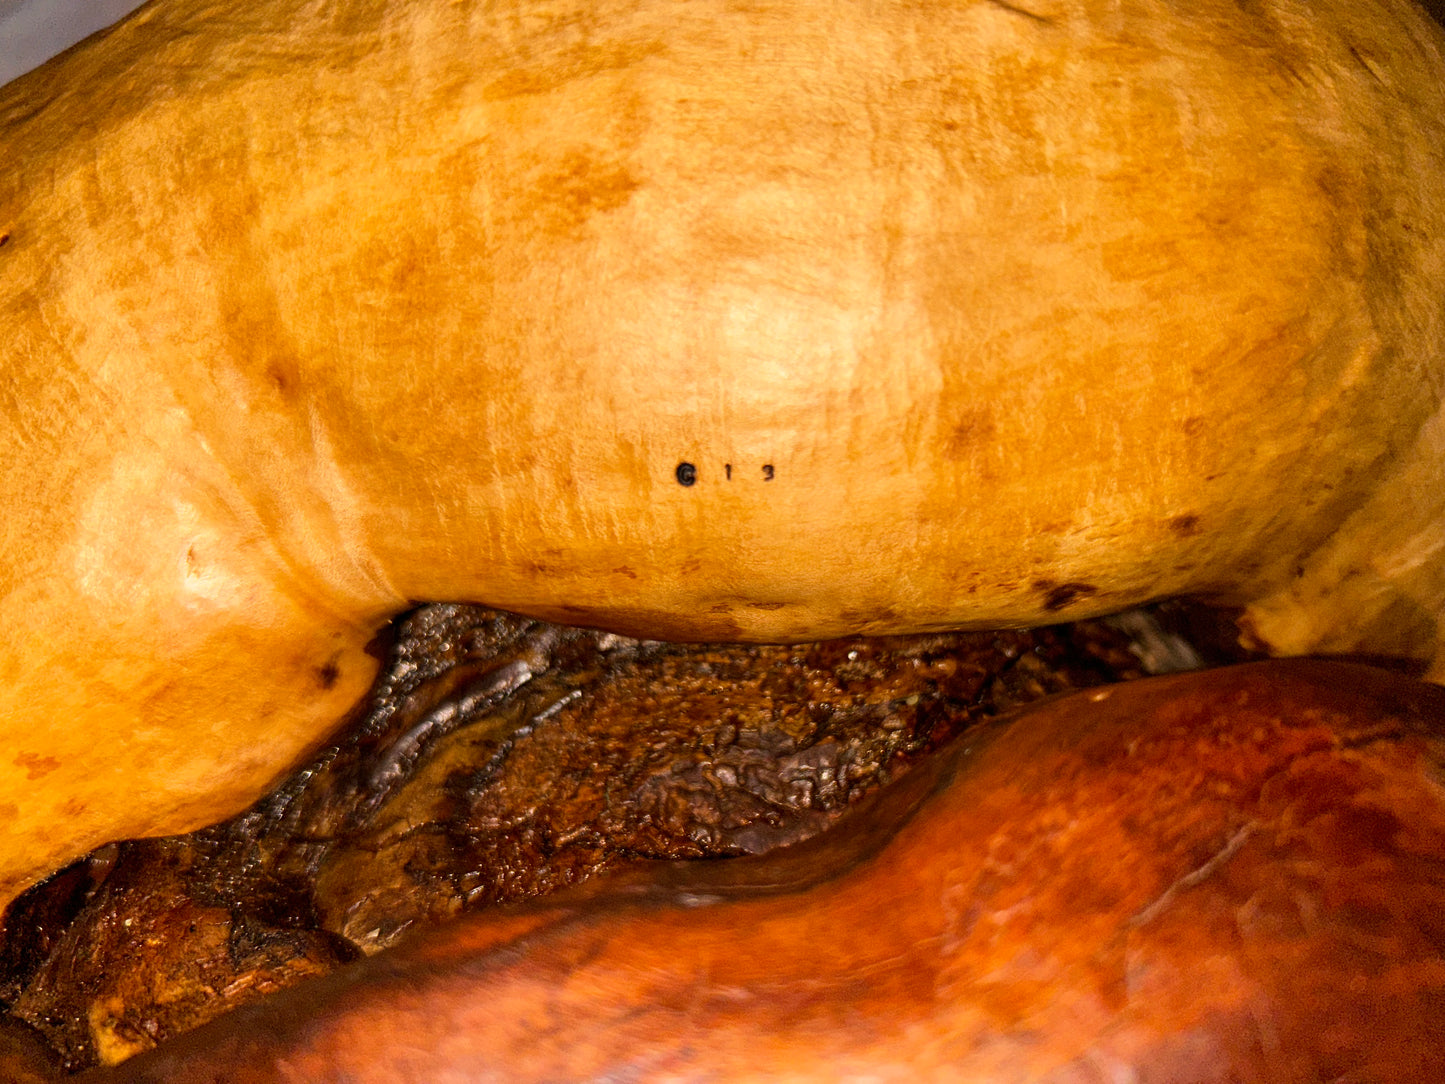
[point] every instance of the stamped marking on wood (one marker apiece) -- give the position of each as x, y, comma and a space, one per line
687, 473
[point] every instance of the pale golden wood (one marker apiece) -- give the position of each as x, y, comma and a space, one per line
311, 310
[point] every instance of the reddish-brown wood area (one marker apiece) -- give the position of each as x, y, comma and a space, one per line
500, 759
1224, 876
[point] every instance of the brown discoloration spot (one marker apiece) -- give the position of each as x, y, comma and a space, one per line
1186, 526
623, 570
767, 605
1059, 595
280, 375
974, 430
35, 765
580, 186
1192, 426
328, 674
1337, 186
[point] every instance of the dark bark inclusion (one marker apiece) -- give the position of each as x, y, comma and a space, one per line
427, 804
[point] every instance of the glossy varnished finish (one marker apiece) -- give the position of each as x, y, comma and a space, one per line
1233, 876
953, 314
501, 759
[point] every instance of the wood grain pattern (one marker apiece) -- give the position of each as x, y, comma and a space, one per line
965, 314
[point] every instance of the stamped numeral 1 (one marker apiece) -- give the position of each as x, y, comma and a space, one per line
687, 473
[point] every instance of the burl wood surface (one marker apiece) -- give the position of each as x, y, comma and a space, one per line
1223, 876
501, 759
952, 313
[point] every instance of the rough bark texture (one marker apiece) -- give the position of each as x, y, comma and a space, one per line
501, 759
1215, 877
